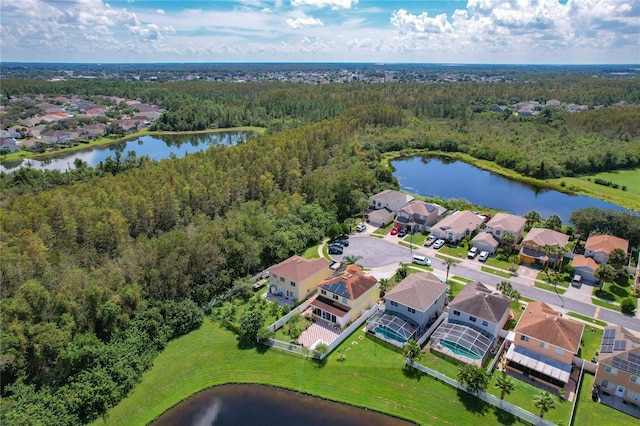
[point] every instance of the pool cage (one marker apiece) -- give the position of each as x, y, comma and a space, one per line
391, 328
459, 340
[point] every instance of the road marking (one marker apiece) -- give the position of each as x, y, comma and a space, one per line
595, 316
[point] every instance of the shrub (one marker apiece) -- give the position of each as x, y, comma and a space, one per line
627, 306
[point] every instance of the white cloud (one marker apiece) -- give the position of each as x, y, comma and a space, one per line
160, 12
333, 4
407, 23
304, 21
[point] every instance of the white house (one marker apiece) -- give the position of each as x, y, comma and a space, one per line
8, 144
419, 216
389, 199
503, 222
457, 225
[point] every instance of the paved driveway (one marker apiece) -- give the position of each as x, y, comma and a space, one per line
374, 251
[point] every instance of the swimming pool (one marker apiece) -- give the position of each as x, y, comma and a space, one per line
458, 350
390, 334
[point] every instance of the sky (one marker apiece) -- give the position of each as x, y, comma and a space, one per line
391, 31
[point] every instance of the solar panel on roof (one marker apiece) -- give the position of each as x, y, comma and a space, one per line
608, 340
606, 349
620, 345
634, 358
609, 332
339, 288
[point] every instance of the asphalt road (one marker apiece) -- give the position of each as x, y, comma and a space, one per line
377, 252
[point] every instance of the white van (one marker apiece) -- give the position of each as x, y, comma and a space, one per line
421, 260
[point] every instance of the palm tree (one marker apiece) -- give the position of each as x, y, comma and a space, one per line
383, 284
508, 239
604, 273
449, 262
505, 384
351, 260
473, 377
412, 350
545, 402
532, 217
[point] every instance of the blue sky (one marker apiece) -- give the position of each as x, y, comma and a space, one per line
424, 31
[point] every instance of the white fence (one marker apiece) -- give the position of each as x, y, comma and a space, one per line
353, 327
285, 319
289, 347
486, 397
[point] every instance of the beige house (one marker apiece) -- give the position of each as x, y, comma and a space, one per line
544, 345
296, 278
389, 199
533, 245
618, 372
485, 241
419, 216
342, 298
503, 222
457, 225
599, 247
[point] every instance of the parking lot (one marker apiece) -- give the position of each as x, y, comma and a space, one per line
374, 251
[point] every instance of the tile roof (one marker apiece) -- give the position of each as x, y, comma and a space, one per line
546, 237
543, 323
352, 283
418, 291
487, 237
581, 260
477, 300
460, 221
507, 222
391, 196
298, 269
606, 243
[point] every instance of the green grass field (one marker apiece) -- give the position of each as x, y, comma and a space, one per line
589, 412
371, 375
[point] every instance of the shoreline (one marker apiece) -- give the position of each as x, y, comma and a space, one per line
28, 155
574, 188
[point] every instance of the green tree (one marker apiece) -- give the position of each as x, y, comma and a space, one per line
383, 284
473, 377
251, 322
533, 217
449, 262
545, 402
617, 258
553, 222
402, 271
604, 273
321, 349
504, 382
506, 288
352, 260
627, 306
412, 350
508, 239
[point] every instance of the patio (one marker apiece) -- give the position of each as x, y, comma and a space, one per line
617, 403
319, 330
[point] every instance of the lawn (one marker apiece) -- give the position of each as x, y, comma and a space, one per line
501, 264
374, 372
562, 279
311, 252
417, 239
587, 319
589, 412
591, 340
615, 293
496, 272
454, 251
384, 230
455, 287
550, 287
626, 198
463, 279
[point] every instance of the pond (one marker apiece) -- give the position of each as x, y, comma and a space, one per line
445, 178
237, 405
156, 147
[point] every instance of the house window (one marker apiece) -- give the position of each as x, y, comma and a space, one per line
323, 291
497, 232
456, 313
634, 379
485, 323
524, 338
344, 300
293, 284
282, 279
393, 303
335, 297
605, 384
413, 311
544, 345
472, 319
559, 351
611, 370
635, 396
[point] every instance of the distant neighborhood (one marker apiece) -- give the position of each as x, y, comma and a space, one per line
474, 324
38, 124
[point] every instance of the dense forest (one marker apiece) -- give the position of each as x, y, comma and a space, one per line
102, 267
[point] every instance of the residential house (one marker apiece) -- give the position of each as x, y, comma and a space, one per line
8, 144
341, 299
599, 247
18, 132
419, 216
296, 278
544, 345
418, 297
553, 103
476, 316
56, 137
50, 108
585, 267
485, 241
504, 222
618, 371
92, 131
533, 245
457, 225
389, 199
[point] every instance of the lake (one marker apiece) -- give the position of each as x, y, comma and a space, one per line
156, 147
445, 178
237, 405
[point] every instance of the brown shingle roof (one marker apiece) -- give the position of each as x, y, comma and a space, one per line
477, 300
298, 269
543, 323
508, 222
546, 237
606, 243
460, 221
352, 283
418, 291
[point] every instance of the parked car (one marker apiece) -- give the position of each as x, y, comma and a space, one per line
483, 256
342, 241
402, 233
429, 241
361, 227
472, 253
439, 243
335, 249
395, 230
421, 260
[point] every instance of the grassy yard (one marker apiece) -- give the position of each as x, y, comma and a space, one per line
454, 251
455, 287
614, 293
589, 412
417, 239
605, 304
463, 279
549, 287
563, 279
496, 272
374, 372
591, 340
616, 196
311, 252
501, 264
384, 230
587, 319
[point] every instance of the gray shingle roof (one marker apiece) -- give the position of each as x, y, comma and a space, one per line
477, 300
417, 291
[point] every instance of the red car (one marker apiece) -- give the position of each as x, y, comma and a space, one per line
395, 230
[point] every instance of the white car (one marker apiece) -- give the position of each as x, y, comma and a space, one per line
483, 256
472, 253
439, 243
361, 227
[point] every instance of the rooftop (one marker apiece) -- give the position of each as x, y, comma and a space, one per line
543, 323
